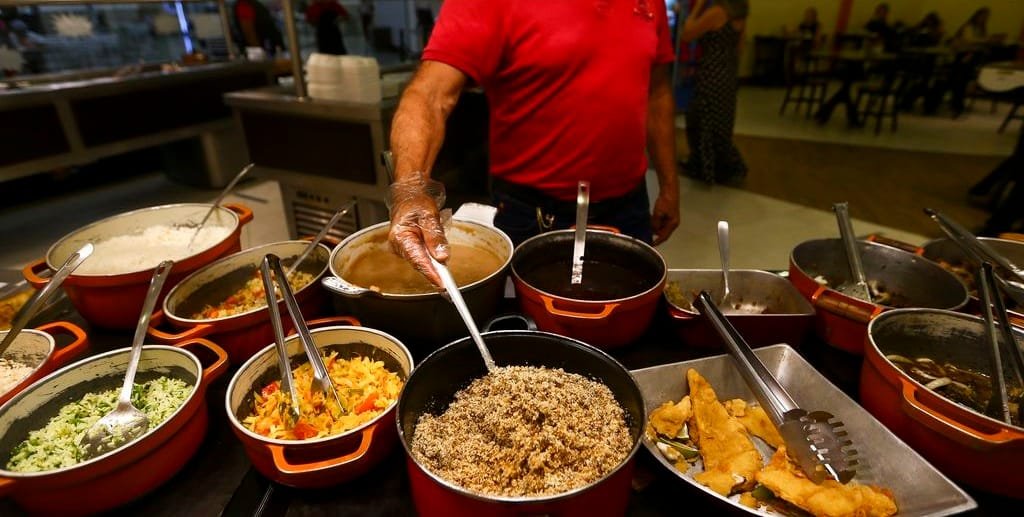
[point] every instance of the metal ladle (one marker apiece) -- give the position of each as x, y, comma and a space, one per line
320, 236
216, 202
126, 423
723, 254
580, 239
857, 285
32, 307
321, 377
460, 306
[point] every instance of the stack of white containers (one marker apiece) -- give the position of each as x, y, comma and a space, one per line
343, 78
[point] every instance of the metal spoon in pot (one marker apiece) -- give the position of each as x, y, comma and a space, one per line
857, 285
460, 305
216, 202
39, 299
126, 423
723, 254
320, 236
287, 382
580, 240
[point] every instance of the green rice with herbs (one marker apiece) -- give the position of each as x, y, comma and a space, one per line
56, 446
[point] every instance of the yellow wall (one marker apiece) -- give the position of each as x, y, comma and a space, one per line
769, 16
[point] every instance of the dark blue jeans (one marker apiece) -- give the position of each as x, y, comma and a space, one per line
524, 212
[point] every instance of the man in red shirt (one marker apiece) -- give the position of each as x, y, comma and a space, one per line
577, 89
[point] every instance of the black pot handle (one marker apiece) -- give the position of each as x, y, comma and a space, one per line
498, 322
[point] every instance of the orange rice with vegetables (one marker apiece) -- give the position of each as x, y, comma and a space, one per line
365, 387
250, 296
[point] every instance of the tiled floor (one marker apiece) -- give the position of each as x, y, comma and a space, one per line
973, 133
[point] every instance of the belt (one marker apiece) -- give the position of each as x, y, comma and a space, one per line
532, 196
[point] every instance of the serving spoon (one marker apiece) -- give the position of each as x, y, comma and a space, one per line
579, 243
32, 307
460, 306
857, 285
216, 202
126, 423
320, 236
723, 254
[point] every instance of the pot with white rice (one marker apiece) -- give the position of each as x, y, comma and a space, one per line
108, 288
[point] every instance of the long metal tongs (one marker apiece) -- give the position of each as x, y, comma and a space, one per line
979, 251
815, 439
992, 302
287, 382
321, 378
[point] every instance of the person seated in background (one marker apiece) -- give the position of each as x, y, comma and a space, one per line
810, 29
928, 32
970, 43
878, 26
1004, 187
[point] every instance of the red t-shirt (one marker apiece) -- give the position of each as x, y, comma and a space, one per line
567, 82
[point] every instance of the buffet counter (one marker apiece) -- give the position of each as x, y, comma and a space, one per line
63, 120
219, 480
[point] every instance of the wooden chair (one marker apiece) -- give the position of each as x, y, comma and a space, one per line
882, 99
806, 81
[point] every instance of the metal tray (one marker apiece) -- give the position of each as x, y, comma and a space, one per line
918, 487
789, 318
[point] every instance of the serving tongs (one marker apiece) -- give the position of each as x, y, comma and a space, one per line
857, 285
579, 243
992, 301
979, 251
816, 440
321, 378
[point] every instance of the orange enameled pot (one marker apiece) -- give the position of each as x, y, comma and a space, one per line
38, 349
623, 279
317, 462
241, 335
122, 475
114, 300
817, 266
964, 444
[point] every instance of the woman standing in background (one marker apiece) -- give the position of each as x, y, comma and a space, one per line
712, 114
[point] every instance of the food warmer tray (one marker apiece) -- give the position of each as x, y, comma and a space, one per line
918, 487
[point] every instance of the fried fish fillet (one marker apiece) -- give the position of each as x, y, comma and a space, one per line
755, 420
829, 499
730, 459
669, 418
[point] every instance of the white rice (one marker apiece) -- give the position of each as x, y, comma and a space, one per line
148, 248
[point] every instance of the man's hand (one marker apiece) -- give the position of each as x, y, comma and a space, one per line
665, 215
416, 231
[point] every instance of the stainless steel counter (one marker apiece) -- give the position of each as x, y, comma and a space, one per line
70, 119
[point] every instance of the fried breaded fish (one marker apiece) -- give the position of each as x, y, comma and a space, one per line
755, 420
829, 499
730, 459
669, 418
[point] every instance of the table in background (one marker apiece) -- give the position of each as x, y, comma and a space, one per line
218, 480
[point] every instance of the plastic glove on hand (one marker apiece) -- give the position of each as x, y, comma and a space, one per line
416, 229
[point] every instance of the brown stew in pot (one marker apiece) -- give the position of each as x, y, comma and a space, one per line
965, 387
383, 271
601, 280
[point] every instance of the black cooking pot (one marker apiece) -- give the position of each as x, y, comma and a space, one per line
433, 384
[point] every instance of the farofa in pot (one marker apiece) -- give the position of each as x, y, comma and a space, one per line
365, 386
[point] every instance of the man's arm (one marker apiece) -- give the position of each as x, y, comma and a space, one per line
661, 148
252, 38
701, 20
417, 133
